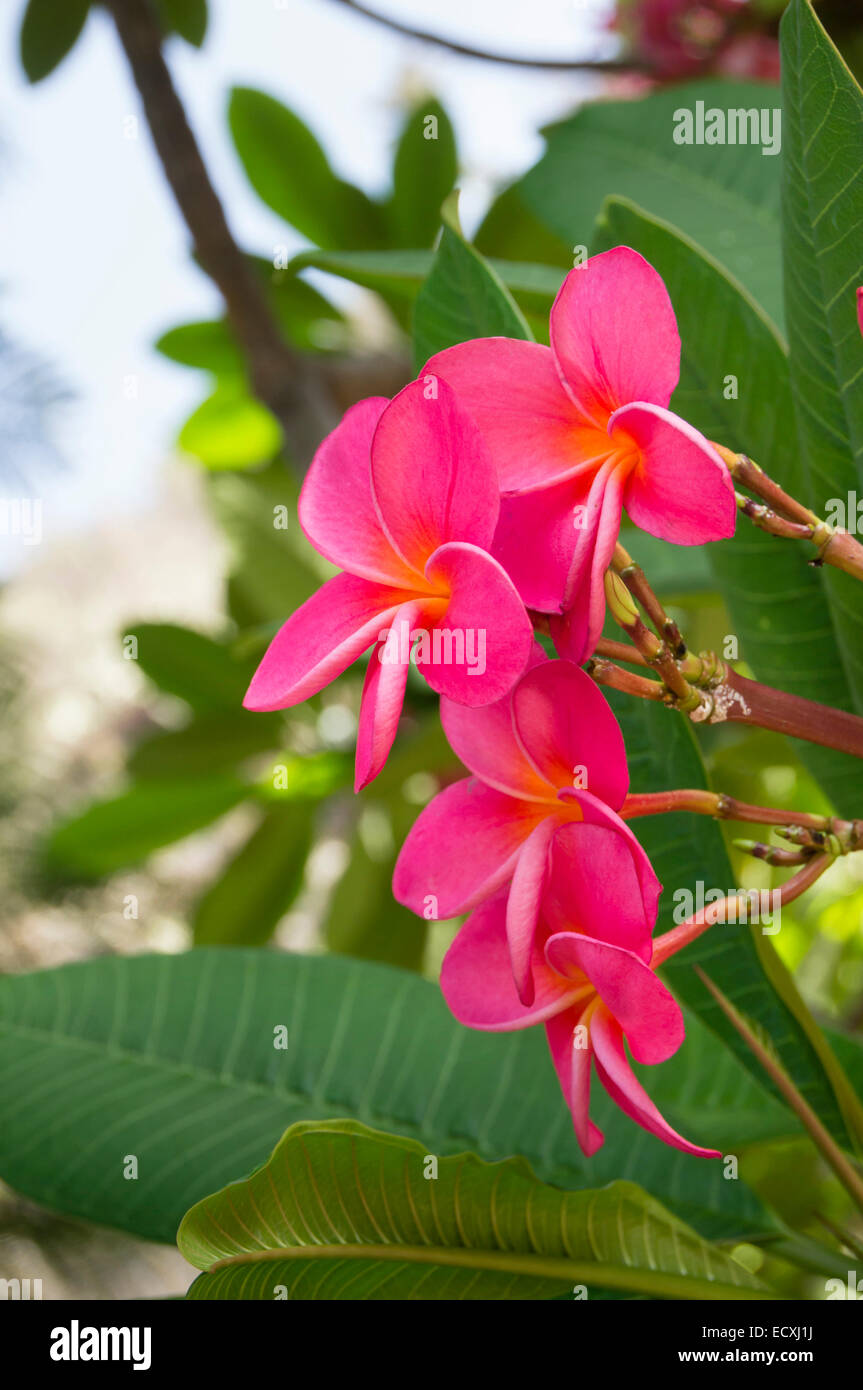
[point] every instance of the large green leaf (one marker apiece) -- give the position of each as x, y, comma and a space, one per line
244, 905
686, 849
822, 225
776, 598
462, 298
726, 197
198, 669
114, 834
49, 30
424, 171
175, 1060
342, 1212
210, 743
288, 169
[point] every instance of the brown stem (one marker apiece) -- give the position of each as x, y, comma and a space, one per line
467, 51
278, 376
707, 803
619, 651
742, 701
606, 673
635, 580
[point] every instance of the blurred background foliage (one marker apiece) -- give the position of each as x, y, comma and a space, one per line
270, 846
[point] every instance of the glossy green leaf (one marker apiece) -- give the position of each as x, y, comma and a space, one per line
231, 429
125, 830
726, 197
288, 169
198, 669
342, 1212
424, 171
244, 905
177, 1060
735, 388
462, 298
49, 30
510, 229
822, 223
687, 850
188, 18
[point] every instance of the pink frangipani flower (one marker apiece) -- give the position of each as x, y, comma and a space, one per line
403, 496
547, 758
591, 994
581, 430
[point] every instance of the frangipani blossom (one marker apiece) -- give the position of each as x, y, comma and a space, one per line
403, 496
591, 994
547, 757
581, 430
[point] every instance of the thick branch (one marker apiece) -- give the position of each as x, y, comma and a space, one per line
279, 377
510, 59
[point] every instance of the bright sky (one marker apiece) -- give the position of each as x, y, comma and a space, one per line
93, 256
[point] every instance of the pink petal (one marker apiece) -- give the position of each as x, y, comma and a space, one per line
614, 335
572, 1065
383, 695
523, 903
569, 733
626, 1091
575, 634
680, 490
483, 642
513, 392
320, 640
336, 508
433, 479
485, 741
649, 1016
536, 539
602, 880
476, 977
462, 847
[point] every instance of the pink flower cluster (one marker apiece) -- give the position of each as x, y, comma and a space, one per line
494, 485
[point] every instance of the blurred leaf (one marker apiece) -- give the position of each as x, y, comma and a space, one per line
231, 429
307, 319
188, 18
424, 172
49, 30
211, 743
822, 220
198, 669
191, 1075
775, 596
364, 920
125, 830
273, 570
474, 1231
244, 905
209, 346
290, 172
462, 297
403, 272
309, 778
726, 197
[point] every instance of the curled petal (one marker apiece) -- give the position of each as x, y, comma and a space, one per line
602, 880
462, 847
572, 1062
569, 732
614, 335
523, 903
576, 633
433, 479
483, 641
650, 1017
513, 391
336, 508
320, 640
680, 490
476, 977
383, 695
619, 1080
